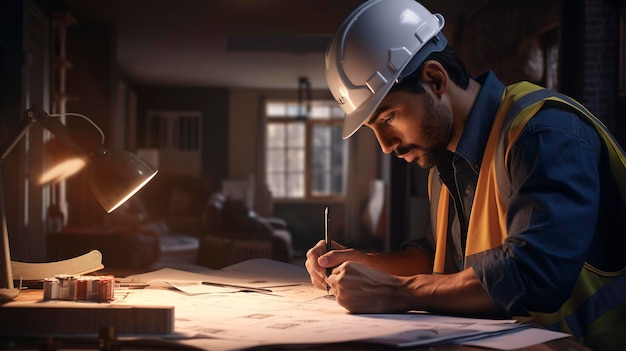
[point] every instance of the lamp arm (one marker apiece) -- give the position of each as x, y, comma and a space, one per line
32, 115
6, 271
37, 114
57, 129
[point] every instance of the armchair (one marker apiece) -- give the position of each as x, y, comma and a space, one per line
232, 233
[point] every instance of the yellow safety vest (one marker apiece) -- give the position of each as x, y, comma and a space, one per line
591, 314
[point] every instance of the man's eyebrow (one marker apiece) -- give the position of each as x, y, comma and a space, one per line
379, 111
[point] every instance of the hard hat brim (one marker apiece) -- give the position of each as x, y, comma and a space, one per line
354, 120
358, 117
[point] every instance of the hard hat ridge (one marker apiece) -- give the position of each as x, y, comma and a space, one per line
436, 44
379, 43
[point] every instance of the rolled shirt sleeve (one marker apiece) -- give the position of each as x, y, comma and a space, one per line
551, 215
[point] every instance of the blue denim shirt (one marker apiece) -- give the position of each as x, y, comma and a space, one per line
564, 206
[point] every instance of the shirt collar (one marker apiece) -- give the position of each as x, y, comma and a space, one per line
478, 125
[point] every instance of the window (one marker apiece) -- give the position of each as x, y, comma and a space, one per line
176, 138
179, 130
305, 156
551, 65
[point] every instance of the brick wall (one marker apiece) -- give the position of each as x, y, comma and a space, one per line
495, 35
600, 64
498, 35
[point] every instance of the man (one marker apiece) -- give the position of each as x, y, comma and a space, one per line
527, 188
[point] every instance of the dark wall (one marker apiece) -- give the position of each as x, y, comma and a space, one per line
89, 84
11, 111
91, 50
213, 103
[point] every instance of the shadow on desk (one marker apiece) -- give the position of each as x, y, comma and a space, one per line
104, 344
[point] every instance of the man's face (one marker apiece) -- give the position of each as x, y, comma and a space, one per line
414, 126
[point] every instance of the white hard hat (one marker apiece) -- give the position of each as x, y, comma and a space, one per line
378, 41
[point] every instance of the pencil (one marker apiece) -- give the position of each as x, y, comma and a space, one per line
328, 240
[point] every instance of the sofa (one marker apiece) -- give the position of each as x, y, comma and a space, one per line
233, 233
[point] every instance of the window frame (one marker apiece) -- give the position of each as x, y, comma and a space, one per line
310, 123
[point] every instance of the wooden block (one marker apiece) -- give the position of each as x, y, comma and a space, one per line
77, 317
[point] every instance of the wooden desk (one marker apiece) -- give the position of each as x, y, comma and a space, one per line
251, 319
81, 317
94, 343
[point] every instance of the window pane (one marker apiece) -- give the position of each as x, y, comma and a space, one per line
327, 157
295, 160
320, 111
321, 159
321, 136
276, 182
275, 109
296, 134
337, 112
320, 183
292, 109
275, 160
552, 65
275, 134
320, 176
337, 159
295, 185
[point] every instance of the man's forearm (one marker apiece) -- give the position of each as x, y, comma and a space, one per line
410, 261
363, 289
448, 293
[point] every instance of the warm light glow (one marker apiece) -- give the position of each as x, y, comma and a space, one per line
62, 170
111, 174
132, 193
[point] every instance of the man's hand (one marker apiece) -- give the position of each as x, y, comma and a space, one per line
361, 289
317, 260
407, 262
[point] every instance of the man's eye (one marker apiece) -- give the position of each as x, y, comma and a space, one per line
389, 117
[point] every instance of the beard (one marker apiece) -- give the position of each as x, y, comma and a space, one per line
436, 131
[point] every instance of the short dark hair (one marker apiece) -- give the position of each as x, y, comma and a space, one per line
451, 63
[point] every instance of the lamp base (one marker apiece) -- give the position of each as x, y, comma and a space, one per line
8, 294
87, 263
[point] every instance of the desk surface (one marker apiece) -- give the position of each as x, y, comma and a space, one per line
67, 343
93, 342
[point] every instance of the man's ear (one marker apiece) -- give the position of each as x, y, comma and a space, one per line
435, 76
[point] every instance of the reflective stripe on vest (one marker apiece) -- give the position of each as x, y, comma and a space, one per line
590, 311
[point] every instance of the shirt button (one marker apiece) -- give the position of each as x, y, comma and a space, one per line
467, 191
458, 257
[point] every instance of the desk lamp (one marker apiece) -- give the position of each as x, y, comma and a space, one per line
115, 176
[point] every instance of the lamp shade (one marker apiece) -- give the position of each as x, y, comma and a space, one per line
117, 175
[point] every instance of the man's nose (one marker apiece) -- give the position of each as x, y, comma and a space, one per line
388, 143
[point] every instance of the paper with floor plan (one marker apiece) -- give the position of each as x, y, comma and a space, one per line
294, 313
